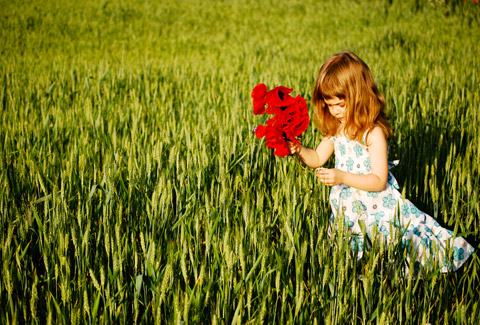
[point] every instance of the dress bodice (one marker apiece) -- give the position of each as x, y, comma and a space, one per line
351, 156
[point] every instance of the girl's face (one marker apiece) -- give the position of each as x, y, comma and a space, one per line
337, 108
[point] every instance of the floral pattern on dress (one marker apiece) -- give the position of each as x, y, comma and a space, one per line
385, 211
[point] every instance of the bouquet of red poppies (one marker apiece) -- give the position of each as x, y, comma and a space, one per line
289, 117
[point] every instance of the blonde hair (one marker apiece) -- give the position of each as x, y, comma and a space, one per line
346, 76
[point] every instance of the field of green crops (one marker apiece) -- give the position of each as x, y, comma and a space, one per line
133, 190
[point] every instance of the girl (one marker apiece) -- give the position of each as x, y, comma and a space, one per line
349, 111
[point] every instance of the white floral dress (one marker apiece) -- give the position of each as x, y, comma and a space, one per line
383, 213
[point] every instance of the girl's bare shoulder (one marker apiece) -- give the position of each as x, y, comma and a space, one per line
375, 135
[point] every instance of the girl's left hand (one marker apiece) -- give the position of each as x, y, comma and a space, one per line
329, 177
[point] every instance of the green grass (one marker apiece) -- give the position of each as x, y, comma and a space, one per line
132, 188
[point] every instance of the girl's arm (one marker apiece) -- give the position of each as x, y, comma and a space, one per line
314, 158
376, 180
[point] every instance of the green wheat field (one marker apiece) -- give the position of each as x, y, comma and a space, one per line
132, 189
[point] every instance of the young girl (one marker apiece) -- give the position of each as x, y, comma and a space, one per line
349, 111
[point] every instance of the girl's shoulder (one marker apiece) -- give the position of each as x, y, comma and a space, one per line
373, 135
328, 139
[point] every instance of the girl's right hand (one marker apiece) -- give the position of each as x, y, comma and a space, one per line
295, 147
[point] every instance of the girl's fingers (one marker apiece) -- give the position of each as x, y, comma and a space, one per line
320, 170
293, 147
322, 178
324, 175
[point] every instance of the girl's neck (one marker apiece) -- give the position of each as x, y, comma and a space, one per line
341, 129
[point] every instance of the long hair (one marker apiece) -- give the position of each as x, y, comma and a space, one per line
346, 76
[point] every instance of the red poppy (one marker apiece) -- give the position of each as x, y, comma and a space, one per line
278, 99
258, 97
296, 117
290, 117
274, 139
260, 131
